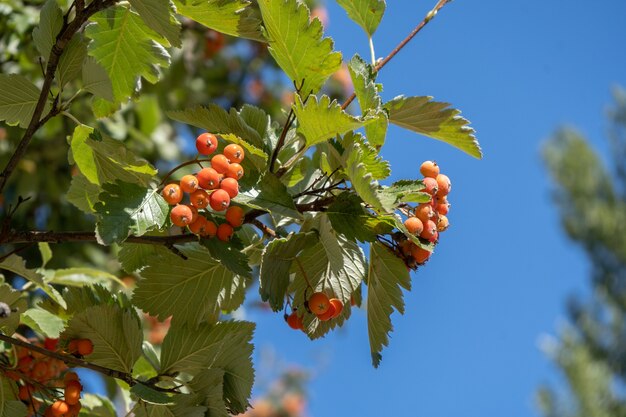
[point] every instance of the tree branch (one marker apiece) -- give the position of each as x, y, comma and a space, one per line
65, 35
402, 44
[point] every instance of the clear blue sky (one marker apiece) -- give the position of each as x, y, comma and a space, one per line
468, 343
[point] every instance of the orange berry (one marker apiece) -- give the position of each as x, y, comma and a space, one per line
70, 376
420, 255
220, 163
424, 212
74, 410
234, 216
224, 232
430, 230
442, 223
444, 185
430, 185
194, 213
329, 314
59, 408
210, 229
50, 344
181, 215
197, 227
219, 200
189, 183
429, 169
338, 304
319, 303
25, 364
25, 392
172, 194
199, 199
231, 186
208, 178
294, 321
72, 392
235, 171
443, 207
40, 370
234, 153
206, 143
414, 225
85, 347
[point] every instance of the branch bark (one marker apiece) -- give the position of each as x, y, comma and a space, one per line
65, 35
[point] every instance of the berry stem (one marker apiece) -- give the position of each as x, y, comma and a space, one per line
176, 168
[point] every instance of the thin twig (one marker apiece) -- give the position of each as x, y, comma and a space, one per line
176, 168
263, 227
429, 16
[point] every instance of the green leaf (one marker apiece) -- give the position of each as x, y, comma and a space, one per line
71, 61
102, 159
44, 322
349, 218
271, 195
45, 251
435, 120
184, 406
366, 13
80, 299
408, 191
83, 194
126, 209
215, 119
192, 290
18, 99
386, 277
355, 162
159, 16
96, 80
97, 406
233, 17
423, 243
230, 256
151, 396
126, 48
225, 345
208, 385
363, 78
375, 165
115, 333
333, 265
297, 44
10, 405
50, 24
278, 256
321, 120
17, 265
135, 256
16, 302
83, 276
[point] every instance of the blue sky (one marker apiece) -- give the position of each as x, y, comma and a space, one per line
468, 343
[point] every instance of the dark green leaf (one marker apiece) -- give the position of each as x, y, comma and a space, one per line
71, 61
15, 301
50, 23
159, 16
271, 195
18, 99
150, 395
96, 80
231, 257
349, 218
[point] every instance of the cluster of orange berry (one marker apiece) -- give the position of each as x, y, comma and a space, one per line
428, 219
36, 372
80, 347
211, 187
319, 304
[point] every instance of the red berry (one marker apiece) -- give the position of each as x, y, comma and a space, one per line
235, 171
430, 230
429, 169
210, 229
59, 408
420, 255
72, 392
199, 199
85, 347
430, 185
172, 194
208, 178
198, 227
231, 186
234, 153
219, 200
224, 232
338, 304
294, 321
328, 314
189, 183
424, 212
206, 143
234, 215
319, 303
220, 163
180, 215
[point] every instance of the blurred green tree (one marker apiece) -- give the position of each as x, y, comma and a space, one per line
591, 196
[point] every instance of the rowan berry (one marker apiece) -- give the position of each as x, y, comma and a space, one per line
85, 347
72, 392
206, 143
189, 183
444, 185
210, 229
224, 232
328, 314
442, 223
414, 225
180, 215
59, 408
294, 321
70, 376
235, 171
319, 303
430, 185
419, 254
234, 215
208, 178
234, 153
338, 304
430, 230
231, 186
429, 169
172, 194
424, 212
220, 163
219, 200
198, 227
199, 199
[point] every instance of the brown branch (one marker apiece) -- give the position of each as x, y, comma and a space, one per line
402, 44
263, 227
65, 35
